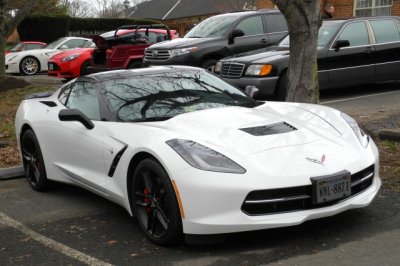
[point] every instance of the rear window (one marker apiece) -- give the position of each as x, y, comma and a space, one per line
385, 30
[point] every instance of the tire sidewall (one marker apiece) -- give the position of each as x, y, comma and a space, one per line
174, 232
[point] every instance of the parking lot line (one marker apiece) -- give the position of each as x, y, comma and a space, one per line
48, 242
359, 97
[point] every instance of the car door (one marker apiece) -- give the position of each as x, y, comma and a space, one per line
355, 63
79, 153
255, 36
387, 48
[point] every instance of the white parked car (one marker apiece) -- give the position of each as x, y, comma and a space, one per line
33, 61
188, 153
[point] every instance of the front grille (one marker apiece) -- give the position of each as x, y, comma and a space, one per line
157, 55
231, 70
53, 66
272, 201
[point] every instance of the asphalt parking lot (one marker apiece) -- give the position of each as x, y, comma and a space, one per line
70, 226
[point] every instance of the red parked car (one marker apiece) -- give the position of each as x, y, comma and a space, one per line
127, 51
26, 45
74, 63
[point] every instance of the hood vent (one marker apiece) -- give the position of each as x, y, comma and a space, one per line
277, 128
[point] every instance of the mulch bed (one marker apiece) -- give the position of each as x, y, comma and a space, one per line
13, 83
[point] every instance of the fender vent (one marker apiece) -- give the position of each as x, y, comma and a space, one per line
49, 103
277, 128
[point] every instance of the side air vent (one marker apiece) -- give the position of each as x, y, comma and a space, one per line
278, 128
49, 103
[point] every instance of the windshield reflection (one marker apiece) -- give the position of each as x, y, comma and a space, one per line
164, 95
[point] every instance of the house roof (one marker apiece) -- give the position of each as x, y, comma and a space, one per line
173, 9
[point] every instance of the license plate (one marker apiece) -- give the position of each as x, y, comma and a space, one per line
51, 67
331, 187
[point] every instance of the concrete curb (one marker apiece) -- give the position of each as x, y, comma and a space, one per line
389, 134
12, 172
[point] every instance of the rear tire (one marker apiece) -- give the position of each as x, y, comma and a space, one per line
155, 204
33, 162
135, 64
29, 66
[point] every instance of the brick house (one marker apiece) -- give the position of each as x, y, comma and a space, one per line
182, 15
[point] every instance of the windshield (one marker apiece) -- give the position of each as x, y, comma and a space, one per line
164, 95
325, 34
211, 27
55, 44
17, 47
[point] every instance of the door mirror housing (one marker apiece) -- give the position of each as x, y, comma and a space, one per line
235, 33
75, 115
341, 43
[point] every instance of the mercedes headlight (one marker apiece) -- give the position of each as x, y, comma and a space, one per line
70, 57
259, 70
362, 137
204, 158
182, 51
217, 67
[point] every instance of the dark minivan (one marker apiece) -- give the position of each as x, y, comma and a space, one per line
218, 37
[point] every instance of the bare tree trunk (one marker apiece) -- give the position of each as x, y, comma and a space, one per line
303, 19
8, 25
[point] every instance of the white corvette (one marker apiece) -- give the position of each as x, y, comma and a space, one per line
32, 61
189, 154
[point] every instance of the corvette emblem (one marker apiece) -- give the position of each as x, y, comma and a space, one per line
321, 161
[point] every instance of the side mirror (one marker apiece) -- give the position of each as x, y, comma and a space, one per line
251, 91
75, 115
341, 43
235, 33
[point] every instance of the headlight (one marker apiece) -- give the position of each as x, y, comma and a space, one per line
204, 158
177, 52
71, 57
11, 57
217, 67
362, 137
258, 70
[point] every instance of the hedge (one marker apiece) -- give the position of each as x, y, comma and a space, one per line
48, 28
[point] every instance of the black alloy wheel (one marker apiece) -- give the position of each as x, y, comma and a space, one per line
155, 204
33, 162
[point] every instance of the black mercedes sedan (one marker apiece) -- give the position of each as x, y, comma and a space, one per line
350, 52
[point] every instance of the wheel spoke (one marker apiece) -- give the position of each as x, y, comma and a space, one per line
144, 204
147, 181
162, 218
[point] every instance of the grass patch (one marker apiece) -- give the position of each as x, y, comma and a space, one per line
9, 102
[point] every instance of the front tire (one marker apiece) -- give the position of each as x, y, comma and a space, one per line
281, 89
84, 69
29, 66
155, 204
33, 162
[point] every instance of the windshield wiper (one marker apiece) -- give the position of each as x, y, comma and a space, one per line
152, 119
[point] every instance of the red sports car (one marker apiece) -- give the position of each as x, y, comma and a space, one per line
74, 63
26, 45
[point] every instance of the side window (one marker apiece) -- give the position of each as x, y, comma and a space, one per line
32, 46
75, 43
251, 26
276, 23
385, 30
356, 33
83, 97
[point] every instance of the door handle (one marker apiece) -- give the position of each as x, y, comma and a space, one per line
264, 40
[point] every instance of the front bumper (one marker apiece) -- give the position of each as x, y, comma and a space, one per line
212, 201
64, 69
186, 60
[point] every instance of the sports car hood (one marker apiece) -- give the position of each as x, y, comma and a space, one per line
260, 58
71, 52
252, 130
181, 43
